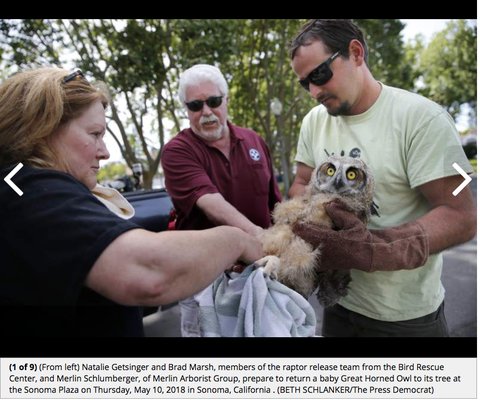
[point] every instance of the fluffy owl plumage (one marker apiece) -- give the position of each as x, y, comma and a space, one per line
289, 258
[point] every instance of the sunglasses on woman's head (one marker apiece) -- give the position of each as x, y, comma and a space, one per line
320, 75
73, 76
197, 105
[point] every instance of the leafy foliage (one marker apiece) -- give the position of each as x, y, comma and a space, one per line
141, 60
112, 170
386, 51
449, 67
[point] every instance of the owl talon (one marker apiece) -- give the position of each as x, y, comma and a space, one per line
271, 265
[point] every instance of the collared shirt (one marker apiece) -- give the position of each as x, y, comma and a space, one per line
193, 168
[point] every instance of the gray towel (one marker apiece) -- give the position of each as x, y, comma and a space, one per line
253, 305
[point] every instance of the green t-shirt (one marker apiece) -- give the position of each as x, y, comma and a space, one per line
406, 140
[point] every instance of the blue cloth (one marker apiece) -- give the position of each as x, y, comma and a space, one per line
251, 304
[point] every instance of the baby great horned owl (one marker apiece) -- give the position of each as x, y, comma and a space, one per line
290, 259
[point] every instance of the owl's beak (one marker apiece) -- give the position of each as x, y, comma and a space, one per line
338, 182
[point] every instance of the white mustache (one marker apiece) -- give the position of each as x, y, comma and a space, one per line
204, 120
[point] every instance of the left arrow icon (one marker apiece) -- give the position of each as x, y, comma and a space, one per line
8, 179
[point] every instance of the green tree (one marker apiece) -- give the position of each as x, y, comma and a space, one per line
412, 51
261, 74
386, 51
448, 67
112, 170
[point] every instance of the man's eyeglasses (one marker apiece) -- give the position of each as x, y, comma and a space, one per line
197, 105
320, 75
73, 75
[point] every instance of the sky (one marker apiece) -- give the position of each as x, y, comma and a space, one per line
426, 27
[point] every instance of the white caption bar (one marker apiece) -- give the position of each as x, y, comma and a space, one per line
233, 378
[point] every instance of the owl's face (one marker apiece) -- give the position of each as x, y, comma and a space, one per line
345, 176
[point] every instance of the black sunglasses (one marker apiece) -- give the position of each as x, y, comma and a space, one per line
197, 105
73, 75
320, 75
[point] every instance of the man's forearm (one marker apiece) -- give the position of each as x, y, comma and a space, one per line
352, 245
221, 212
447, 227
297, 189
302, 178
452, 220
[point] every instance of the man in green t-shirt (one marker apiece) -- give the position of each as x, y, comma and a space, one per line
410, 144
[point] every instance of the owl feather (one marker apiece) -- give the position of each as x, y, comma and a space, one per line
293, 261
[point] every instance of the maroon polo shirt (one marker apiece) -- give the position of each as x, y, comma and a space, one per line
193, 169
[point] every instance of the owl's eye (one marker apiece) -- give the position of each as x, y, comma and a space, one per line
351, 174
331, 171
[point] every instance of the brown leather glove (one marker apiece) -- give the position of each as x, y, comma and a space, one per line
351, 245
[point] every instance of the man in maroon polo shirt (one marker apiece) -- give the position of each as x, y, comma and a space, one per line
216, 173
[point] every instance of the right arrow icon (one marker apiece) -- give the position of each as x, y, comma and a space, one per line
465, 176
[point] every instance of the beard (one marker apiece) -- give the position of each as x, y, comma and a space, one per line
210, 134
331, 105
342, 109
